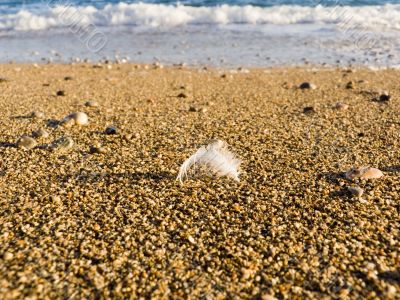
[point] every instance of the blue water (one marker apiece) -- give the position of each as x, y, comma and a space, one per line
203, 32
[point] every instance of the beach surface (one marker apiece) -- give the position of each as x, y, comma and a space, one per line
106, 217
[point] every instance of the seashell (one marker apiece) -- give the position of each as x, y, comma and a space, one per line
76, 118
363, 173
63, 143
26, 142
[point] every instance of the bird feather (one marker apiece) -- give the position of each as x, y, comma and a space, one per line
216, 158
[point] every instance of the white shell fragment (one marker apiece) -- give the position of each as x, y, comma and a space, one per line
62, 144
363, 173
76, 118
26, 142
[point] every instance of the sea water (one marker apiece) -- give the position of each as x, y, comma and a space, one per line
203, 32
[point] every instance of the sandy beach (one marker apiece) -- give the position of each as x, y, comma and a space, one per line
105, 217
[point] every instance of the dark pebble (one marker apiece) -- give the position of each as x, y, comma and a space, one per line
182, 95
307, 86
384, 97
308, 110
111, 130
350, 85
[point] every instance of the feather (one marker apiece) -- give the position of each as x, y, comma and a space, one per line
215, 158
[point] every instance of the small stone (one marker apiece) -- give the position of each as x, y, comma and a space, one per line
268, 297
97, 150
111, 130
60, 93
40, 133
182, 95
356, 191
308, 110
37, 115
2, 79
91, 104
384, 97
192, 240
392, 291
341, 106
307, 86
192, 109
26, 142
128, 137
57, 200
246, 273
62, 144
8, 256
76, 118
350, 85
158, 65
67, 78
363, 173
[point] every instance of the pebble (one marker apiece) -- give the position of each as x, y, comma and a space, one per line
111, 130
308, 109
384, 97
91, 104
158, 65
350, 85
191, 240
8, 256
41, 133
37, 115
182, 95
57, 200
2, 79
268, 297
363, 173
307, 86
341, 106
26, 142
76, 118
63, 143
356, 191
192, 109
97, 150
67, 78
60, 93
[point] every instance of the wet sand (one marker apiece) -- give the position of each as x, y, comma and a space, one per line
76, 224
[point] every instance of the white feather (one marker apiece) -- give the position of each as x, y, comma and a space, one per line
216, 158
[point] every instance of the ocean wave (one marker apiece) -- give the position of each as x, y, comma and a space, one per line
385, 17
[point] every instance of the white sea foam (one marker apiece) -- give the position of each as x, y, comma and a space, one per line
386, 17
